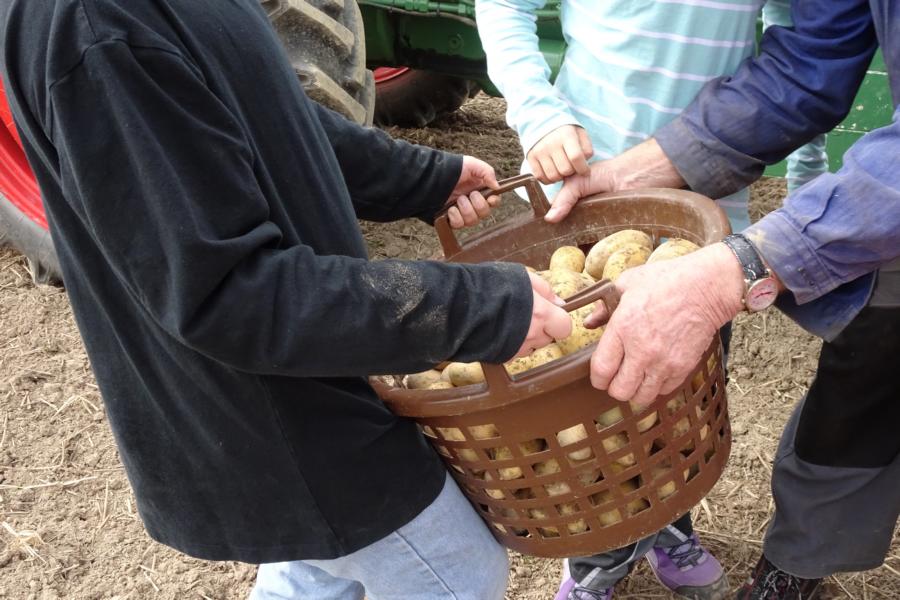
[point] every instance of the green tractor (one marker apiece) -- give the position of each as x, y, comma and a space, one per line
391, 62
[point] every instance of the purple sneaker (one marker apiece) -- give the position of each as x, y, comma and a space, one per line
689, 570
570, 590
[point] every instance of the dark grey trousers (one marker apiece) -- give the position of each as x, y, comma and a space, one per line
836, 478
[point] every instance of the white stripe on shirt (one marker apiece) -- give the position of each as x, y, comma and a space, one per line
717, 5
658, 35
572, 65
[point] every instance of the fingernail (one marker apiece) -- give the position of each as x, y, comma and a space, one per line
558, 301
551, 214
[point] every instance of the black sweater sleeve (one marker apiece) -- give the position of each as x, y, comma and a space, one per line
161, 175
390, 179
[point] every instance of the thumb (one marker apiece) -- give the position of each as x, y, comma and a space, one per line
543, 289
564, 200
489, 177
558, 324
585, 140
598, 317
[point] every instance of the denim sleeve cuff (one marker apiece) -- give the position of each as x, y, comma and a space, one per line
788, 253
708, 166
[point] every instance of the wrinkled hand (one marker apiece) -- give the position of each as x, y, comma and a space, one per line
561, 153
470, 206
668, 314
644, 165
548, 321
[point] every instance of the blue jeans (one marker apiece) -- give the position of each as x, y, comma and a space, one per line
445, 553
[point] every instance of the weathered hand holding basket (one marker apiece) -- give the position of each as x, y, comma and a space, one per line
631, 473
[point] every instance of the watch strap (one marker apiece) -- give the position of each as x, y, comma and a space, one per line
751, 262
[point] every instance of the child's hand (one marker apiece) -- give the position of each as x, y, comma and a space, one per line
470, 205
470, 209
549, 322
561, 153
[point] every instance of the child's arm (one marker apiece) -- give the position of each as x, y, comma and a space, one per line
550, 135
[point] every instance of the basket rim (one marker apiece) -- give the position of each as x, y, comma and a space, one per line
479, 397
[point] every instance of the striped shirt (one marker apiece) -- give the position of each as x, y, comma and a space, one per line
630, 67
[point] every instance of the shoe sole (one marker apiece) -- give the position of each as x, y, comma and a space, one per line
718, 590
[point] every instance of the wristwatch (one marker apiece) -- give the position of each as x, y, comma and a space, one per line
760, 288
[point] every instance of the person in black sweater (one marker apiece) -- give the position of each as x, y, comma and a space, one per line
204, 212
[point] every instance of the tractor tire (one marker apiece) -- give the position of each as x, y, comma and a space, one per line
325, 42
415, 98
31, 239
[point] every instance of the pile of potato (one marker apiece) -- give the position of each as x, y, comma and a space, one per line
569, 272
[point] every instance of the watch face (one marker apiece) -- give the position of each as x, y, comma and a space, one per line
761, 294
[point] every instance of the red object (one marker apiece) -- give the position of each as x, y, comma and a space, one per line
17, 183
383, 74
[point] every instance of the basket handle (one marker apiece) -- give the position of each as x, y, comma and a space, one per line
605, 291
539, 204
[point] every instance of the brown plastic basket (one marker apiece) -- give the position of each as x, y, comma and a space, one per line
625, 480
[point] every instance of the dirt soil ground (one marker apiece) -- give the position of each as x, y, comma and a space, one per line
68, 527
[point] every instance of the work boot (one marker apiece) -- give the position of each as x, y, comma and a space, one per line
768, 582
689, 570
570, 590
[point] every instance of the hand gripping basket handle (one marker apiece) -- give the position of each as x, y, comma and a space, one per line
496, 376
539, 205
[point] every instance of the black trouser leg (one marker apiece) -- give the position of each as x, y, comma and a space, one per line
835, 476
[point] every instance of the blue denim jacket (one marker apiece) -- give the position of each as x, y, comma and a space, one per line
831, 235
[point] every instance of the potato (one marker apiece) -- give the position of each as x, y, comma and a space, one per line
668, 488
547, 354
452, 433
565, 283
614, 415
441, 385
445, 373
455, 435
557, 488
610, 417
518, 365
645, 422
548, 467
628, 256
570, 258
506, 473
636, 506
551, 467
610, 517
672, 248
615, 442
590, 477
541, 356
599, 254
421, 381
681, 427
675, 403
461, 374
578, 526
581, 337
573, 435
493, 493
483, 432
